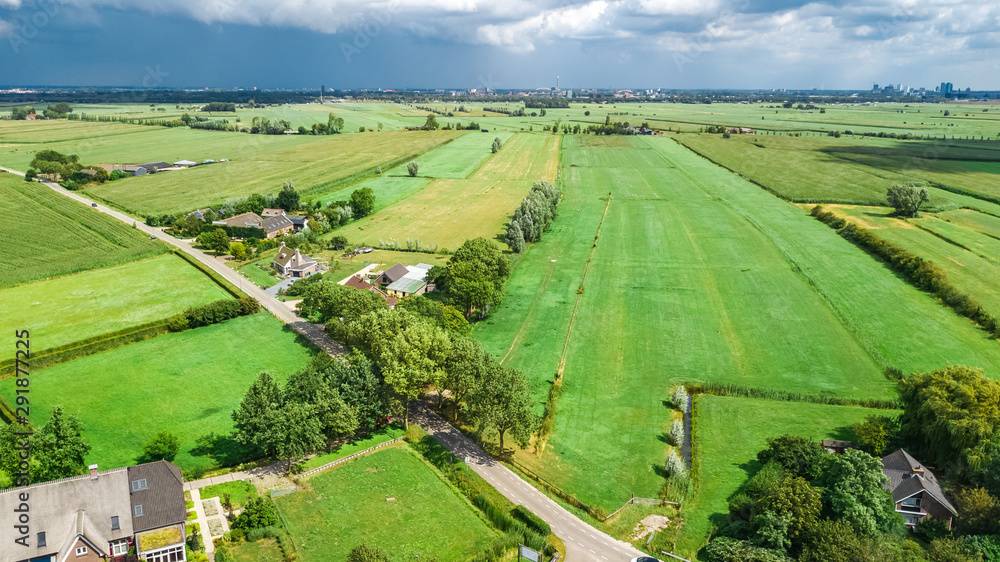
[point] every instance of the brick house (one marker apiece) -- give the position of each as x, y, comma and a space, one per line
915, 490
99, 516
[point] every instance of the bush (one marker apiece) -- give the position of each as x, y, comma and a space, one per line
724, 549
222, 554
365, 552
531, 520
933, 529
256, 514
177, 323
674, 464
679, 400
412, 169
677, 433
256, 534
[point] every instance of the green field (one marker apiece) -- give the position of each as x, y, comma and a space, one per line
74, 307
315, 166
46, 234
448, 211
698, 275
728, 434
239, 492
187, 383
340, 508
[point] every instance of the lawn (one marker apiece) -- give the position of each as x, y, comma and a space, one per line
265, 550
387, 433
315, 166
343, 507
186, 383
239, 492
46, 235
448, 211
728, 434
260, 273
697, 275
74, 307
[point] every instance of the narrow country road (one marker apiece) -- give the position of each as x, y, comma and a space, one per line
583, 542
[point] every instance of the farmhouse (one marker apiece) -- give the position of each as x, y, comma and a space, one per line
290, 262
915, 490
99, 515
412, 283
272, 226
392, 275
356, 282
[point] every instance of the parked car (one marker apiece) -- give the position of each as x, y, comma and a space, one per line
645, 559
93, 204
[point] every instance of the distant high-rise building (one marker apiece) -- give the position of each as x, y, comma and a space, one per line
557, 83
946, 88
875, 88
322, 93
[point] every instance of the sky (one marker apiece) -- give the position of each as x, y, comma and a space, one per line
671, 44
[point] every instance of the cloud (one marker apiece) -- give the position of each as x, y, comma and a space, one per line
574, 22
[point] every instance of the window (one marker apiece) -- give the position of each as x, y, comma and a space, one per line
139, 484
138, 511
41, 539
911, 519
81, 550
911, 503
172, 554
119, 548
114, 523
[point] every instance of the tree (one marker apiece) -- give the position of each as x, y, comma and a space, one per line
338, 242
906, 199
257, 514
365, 552
514, 237
795, 497
30, 175
363, 202
831, 541
798, 455
854, 491
336, 418
771, 530
359, 384
501, 403
288, 198
876, 433
162, 446
238, 250
724, 549
431, 123
951, 417
11, 445
251, 417
475, 275
412, 168
21, 113
465, 368
951, 550
980, 512
216, 240
409, 350
292, 431
59, 447
497, 145
331, 302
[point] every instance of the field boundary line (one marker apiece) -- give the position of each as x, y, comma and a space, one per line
954, 243
352, 456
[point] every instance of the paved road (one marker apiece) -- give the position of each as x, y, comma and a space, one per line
583, 542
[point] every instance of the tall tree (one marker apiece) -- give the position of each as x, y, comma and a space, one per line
798, 455
363, 202
795, 497
251, 417
293, 431
475, 275
288, 198
514, 237
59, 447
465, 369
906, 199
501, 403
854, 491
336, 418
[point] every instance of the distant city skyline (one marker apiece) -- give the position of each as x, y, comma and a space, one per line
465, 44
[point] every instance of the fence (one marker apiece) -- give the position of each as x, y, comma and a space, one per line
330, 465
277, 493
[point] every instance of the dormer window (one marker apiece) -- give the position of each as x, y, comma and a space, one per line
139, 484
114, 523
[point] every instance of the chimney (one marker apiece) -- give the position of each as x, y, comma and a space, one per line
93, 472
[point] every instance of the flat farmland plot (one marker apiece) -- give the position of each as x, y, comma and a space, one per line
728, 434
186, 383
74, 307
338, 509
457, 159
449, 211
45, 234
315, 167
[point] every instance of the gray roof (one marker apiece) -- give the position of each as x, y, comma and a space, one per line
243, 219
67, 508
298, 220
272, 224
908, 477
162, 500
395, 272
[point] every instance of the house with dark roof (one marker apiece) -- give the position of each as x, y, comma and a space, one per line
915, 490
98, 516
357, 282
298, 221
412, 283
391, 275
276, 226
291, 263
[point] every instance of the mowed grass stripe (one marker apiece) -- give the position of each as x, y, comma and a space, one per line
186, 383
728, 434
75, 307
45, 235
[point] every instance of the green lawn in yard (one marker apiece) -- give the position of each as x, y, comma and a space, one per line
46, 234
186, 383
728, 433
260, 273
71, 308
239, 492
698, 275
264, 550
341, 508
387, 433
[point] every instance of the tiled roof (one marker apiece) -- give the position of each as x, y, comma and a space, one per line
356, 282
907, 477
272, 224
395, 272
162, 500
244, 220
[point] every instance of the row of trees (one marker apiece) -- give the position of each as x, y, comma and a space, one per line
58, 111
533, 216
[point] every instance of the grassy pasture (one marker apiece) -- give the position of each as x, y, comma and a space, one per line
448, 211
70, 308
698, 275
340, 508
46, 235
728, 434
315, 167
187, 383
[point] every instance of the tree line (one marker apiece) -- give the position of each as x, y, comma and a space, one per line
533, 216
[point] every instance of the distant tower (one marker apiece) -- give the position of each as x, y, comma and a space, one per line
322, 92
557, 83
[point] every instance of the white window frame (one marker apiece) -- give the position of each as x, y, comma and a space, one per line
81, 550
119, 548
163, 554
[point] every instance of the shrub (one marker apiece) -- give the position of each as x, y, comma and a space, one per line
365, 552
222, 554
679, 400
531, 520
412, 169
177, 323
677, 433
674, 464
162, 446
724, 549
256, 514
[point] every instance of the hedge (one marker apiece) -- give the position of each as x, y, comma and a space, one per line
213, 313
240, 231
219, 280
534, 522
921, 273
729, 389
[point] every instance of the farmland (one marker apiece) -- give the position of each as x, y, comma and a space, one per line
71, 308
186, 383
697, 275
728, 434
340, 508
450, 210
47, 235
